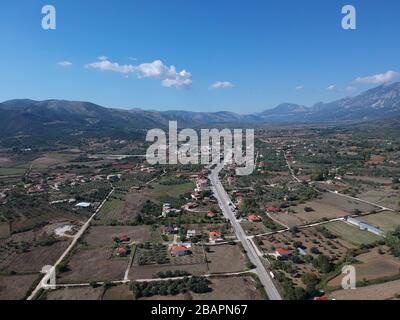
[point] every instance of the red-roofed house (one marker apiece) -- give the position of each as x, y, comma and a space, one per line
254, 218
273, 209
283, 253
321, 298
121, 252
179, 251
215, 237
211, 214
191, 205
123, 238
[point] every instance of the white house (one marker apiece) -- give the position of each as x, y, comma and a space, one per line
365, 226
83, 205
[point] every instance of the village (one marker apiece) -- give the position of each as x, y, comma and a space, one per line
134, 226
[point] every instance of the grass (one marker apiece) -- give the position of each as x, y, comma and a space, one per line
387, 221
162, 191
352, 234
111, 205
11, 171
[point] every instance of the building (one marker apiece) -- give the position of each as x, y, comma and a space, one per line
215, 237
254, 218
190, 234
365, 226
180, 251
195, 195
273, 209
211, 215
202, 185
302, 251
122, 252
114, 177
283, 253
83, 205
324, 298
171, 230
191, 205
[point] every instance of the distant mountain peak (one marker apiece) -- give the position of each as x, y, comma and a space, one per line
30, 117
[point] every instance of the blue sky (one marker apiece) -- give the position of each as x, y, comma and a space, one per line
257, 54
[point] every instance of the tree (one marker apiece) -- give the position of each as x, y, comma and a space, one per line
310, 279
323, 264
393, 241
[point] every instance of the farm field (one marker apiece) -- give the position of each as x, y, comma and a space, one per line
35, 259
4, 230
94, 265
331, 206
146, 266
254, 228
351, 234
387, 221
149, 271
372, 266
288, 219
119, 292
224, 288
112, 209
16, 287
383, 291
225, 258
84, 293
384, 196
123, 208
314, 244
50, 160
102, 236
230, 288
11, 171
161, 192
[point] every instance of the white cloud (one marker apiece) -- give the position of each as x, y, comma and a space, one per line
221, 85
106, 65
332, 87
65, 64
298, 88
168, 75
380, 78
351, 89
102, 58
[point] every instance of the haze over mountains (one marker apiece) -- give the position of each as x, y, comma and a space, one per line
27, 117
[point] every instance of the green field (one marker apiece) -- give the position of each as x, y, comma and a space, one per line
387, 221
114, 203
351, 234
162, 191
11, 171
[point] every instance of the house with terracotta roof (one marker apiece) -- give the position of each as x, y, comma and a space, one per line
283, 253
215, 237
254, 218
122, 252
273, 209
179, 250
191, 205
324, 298
211, 215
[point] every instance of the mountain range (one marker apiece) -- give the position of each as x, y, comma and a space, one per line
28, 117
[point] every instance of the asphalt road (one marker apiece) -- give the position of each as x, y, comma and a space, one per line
223, 199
